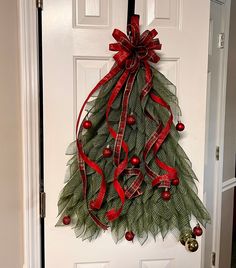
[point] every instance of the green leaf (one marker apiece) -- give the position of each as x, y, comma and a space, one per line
71, 149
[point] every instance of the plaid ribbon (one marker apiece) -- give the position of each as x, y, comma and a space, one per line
134, 189
119, 142
131, 53
123, 118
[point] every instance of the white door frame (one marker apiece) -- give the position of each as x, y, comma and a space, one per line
219, 186
30, 130
30, 139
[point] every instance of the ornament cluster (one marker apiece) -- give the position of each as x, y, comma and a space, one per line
135, 160
188, 239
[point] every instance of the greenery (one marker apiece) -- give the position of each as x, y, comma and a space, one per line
147, 214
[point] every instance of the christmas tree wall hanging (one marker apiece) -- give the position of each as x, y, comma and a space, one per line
127, 171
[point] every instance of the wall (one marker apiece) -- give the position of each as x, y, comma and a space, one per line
10, 139
229, 147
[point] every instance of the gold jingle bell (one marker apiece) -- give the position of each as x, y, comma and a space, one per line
185, 236
191, 245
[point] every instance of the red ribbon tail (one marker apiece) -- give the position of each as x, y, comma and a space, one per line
97, 221
113, 214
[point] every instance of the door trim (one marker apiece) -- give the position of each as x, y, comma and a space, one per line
30, 129
218, 187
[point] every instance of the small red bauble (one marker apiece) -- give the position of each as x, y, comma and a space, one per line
180, 126
135, 160
166, 195
87, 124
66, 220
175, 182
197, 230
107, 152
129, 236
131, 120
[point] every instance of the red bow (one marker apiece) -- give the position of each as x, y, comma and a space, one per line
135, 49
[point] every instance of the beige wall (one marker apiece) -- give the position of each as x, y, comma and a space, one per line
10, 140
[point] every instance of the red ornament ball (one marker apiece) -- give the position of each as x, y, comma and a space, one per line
135, 161
175, 182
129, 236
107, 152
66, 220
180, 126
197, 230
166, 195
131, 120
87, 124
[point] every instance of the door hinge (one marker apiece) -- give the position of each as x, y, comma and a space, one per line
39, 4
213, 258
217, 152
42, 204
221, 40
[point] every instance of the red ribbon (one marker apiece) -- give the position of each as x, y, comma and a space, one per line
132, 52
171, 172
82, 158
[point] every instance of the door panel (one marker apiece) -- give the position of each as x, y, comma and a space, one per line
76, 36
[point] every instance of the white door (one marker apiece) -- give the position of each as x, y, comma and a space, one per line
76, 35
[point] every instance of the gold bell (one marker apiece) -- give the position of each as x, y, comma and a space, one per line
191, 245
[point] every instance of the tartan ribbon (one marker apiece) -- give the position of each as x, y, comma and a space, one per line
119, 142
136, 49
134, 189
132, 52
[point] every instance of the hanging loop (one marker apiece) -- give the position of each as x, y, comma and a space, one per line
130, 13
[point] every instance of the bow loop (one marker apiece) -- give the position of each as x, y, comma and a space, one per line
135, 48
122, 39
